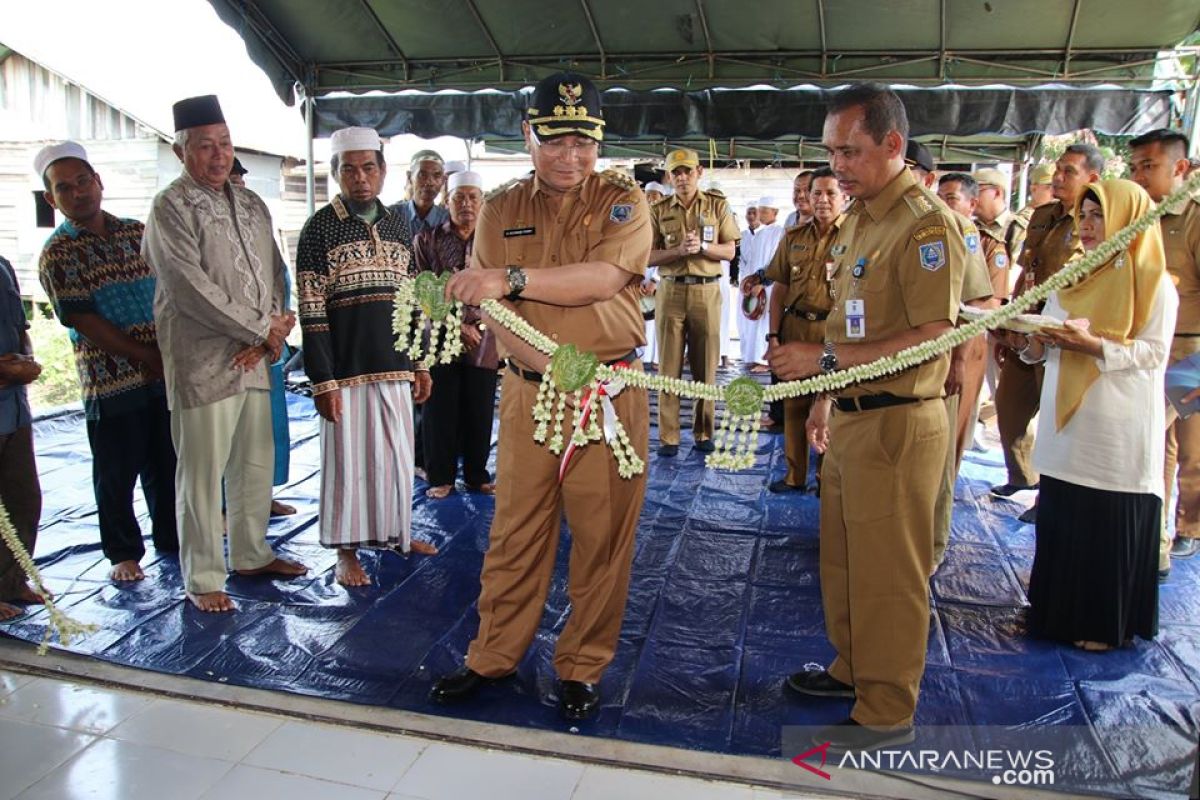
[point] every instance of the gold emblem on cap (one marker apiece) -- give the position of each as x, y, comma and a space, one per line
570, 94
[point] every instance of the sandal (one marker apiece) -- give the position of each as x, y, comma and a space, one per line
438, 492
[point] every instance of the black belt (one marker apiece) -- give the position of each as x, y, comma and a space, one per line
870, 402
689, 280
1186, 335
530, 375
811, 316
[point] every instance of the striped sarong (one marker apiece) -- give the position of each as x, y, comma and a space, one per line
367, 468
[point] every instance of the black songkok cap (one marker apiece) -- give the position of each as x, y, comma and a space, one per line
238, 169
918, 155
566, 103
196, 111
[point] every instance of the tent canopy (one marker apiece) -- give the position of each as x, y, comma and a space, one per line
362, 45
711, 75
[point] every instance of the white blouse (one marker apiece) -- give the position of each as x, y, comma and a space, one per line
1115, 439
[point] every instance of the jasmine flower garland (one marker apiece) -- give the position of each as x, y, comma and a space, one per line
60, 623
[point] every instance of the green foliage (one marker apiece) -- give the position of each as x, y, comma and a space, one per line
59, 382
1114, 148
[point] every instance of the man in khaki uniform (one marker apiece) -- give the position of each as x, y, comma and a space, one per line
1050, 242
898, 265
803, 272
960, 193
1159, 164
694, 232
568, 248
1000, 228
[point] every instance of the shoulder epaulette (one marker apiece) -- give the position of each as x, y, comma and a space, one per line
715, 193
618, 178
501, 189
919, 203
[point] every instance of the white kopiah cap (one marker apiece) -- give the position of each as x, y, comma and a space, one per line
348, 139
54, 152
452, 167
768, 201
465, 178
655, 186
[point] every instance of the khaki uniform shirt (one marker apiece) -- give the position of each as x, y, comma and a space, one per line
1051, 241
803, 268
708, 215
995, 255
977, 284
605, 218
220, 278
1181, 241
906, 246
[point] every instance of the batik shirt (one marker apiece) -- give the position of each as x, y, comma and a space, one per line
83, 273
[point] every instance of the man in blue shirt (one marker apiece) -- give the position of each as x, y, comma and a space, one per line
19, 489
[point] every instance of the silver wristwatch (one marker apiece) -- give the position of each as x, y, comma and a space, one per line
828, 362
516, 282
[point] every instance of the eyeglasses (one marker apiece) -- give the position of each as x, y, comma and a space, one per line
560, 146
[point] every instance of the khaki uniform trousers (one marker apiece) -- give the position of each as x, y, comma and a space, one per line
1182, 462
230, 439
1018, 396
795, 409
602, 510
691, 315
879, 483
961, 410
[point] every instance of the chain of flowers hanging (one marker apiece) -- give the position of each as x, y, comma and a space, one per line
60, 623
744, 397
421, 302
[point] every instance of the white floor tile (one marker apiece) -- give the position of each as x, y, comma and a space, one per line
449, 772
336, 753
254, 783
603, 783
29, 751
112, 770
196, 729
11, 681
88, 709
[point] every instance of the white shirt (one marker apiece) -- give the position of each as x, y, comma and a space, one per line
1115, 439
758, 248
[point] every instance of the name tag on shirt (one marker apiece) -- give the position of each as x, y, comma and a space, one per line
709, 233
856, 319
519, 232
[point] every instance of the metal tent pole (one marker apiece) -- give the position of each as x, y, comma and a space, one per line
310, 175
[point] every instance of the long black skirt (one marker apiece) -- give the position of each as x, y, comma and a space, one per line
1095, 570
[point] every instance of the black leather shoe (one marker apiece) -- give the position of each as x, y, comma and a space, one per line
578, 700
849, 735
819, 683
668, 450
459, 685
1009, 489
1183, 547
1029, 515
704, 446
783, 487
1163, 574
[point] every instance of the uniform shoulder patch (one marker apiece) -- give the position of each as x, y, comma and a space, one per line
929, 231
501, 189
933, 255
1001, 261
618, 178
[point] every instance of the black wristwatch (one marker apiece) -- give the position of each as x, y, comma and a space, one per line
828, 362
771, 336
516, 282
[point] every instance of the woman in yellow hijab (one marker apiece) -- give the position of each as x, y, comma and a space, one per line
1100, 435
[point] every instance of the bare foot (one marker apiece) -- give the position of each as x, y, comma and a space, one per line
280, 566
422, 548
126, 571
8, 611
27, 595
211, 601
1093, 647
279, 509
760, 369
349, 571
438, 492
484, 488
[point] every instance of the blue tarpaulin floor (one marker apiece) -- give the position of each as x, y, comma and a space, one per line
725, 601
